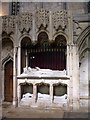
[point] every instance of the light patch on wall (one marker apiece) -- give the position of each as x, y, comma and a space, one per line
5, 9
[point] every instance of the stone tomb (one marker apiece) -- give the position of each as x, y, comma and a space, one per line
44, 87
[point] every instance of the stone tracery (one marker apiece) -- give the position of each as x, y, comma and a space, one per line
25, 22
8, 24
42, 18
60, 20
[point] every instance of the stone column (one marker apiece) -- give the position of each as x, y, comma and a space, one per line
70, 47
51, 93
19, 61
68, 61
15, 77
50, 25
1, 81
34, 93
70, 88
68, 95
75, 79
19, 94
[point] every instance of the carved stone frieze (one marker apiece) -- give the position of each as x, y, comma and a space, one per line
8, 24
42, 18
60, 20
25, 22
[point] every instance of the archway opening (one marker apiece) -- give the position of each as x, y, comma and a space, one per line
59, 47
25, 45
8, 82
7, 51
38, 51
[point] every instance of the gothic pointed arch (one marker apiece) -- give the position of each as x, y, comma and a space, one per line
7, 49
83, 35
6, 59
83, 41
25, 45
59, 46
8, 79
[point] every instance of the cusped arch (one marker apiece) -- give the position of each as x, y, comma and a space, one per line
59, 83
26, 83
42, 83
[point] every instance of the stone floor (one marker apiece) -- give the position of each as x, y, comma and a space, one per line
8, 111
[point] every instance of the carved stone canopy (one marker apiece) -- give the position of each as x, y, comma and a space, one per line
42, 18
60, 19
8, 24
25, 22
